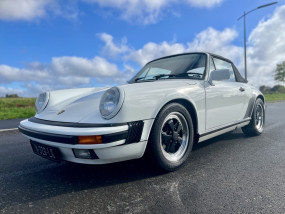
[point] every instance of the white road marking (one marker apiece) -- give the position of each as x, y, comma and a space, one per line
5, 130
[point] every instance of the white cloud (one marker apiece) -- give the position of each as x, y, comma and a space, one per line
111, 49
147, 11
152, 51
63, 72
209, 40
28, 10
204, 3
267, 48
218, 42
96, 67
12, 74
23, 9
138, 11
9, 90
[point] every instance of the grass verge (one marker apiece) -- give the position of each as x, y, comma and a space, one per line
12, 108
274, 97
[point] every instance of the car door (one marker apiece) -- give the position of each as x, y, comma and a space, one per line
224, 99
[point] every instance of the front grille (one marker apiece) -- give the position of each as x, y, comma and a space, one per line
135, 132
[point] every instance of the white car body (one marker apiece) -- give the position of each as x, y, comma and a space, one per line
215, 108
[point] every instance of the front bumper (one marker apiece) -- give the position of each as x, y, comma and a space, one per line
120, 141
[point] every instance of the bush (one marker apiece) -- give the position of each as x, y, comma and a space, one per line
12, 96
275, 89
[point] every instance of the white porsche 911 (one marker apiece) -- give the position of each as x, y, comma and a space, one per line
171, 103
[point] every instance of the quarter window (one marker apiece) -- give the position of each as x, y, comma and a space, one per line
221, 64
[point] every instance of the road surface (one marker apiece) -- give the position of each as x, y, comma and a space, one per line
228, 174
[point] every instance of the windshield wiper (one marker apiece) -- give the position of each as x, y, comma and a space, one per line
163, 75
140, 78
156, 77
175, 75
171, 75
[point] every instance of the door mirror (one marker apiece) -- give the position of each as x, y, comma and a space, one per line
219, 75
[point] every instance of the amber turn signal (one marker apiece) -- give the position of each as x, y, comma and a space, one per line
97, 139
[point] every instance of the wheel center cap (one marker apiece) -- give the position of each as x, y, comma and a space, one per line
175, 136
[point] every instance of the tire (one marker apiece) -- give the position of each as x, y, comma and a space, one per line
171, 138
256, 125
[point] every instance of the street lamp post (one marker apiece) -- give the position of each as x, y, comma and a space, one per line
244, 25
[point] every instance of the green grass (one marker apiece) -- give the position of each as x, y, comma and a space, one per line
274, 97
11, 108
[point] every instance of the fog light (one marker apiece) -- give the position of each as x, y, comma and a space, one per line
82, 153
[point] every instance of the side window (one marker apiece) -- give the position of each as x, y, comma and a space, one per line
221, 64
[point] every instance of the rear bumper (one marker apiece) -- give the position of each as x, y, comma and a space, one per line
122, 142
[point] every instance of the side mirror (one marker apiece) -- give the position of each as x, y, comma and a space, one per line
218, 75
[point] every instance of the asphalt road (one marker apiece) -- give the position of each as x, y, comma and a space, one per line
228, 174
10, 124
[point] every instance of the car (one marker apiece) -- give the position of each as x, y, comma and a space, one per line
170, 104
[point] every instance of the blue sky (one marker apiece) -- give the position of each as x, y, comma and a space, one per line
48, 44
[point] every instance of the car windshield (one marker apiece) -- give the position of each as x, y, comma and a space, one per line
190, 66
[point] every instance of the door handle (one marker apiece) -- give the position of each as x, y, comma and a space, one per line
241, 89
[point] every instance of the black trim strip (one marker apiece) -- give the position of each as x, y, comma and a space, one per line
49, 137
68, 139
135, 131
92, 154
225, 127
75, 125
114, 137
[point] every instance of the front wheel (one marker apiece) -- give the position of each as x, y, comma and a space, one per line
256, 125
171, 138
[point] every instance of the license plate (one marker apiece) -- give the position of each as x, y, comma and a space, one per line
45, 151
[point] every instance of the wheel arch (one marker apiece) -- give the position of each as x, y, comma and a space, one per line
190, 107
261, 97
256, 94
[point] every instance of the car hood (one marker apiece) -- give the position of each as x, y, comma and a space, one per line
82, 105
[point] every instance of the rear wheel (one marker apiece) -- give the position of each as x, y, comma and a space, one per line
256, 125
171, 138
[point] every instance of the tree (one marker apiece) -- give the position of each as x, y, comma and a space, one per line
264, 89
280, 73
277, 89
12, 96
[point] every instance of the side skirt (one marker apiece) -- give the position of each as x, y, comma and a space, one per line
224, 129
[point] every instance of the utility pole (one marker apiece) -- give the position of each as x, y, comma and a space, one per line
244, 25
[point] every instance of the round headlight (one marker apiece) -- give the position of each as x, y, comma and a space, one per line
42, 102
111, 102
